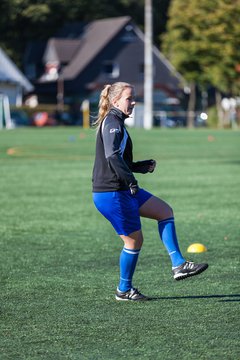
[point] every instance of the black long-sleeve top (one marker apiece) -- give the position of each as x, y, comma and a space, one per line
113, 167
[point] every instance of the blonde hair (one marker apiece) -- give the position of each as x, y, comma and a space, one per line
108, 94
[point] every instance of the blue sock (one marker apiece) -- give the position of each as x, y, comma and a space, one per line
128, 262
168, 235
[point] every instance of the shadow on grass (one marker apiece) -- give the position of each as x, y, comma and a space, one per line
222, 298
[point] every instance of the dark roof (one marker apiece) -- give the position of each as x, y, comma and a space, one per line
61, 50
10, 73
171, 69
96, 36
76, 55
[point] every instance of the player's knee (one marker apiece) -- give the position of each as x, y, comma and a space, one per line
133, 240
167, 212
138, 242
170, 211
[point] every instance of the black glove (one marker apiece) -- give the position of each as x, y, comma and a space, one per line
153, 164
144, 166
133, 188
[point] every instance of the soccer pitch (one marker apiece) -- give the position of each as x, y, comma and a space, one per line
59, 257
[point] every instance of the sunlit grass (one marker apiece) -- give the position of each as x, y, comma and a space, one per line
59, 257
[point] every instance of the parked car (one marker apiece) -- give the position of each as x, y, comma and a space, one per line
169, 115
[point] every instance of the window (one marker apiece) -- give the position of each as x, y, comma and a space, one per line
111, 69
129, 34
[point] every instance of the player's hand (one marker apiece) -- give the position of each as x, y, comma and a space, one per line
152, 166
133, 188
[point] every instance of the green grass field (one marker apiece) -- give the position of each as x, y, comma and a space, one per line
59, 257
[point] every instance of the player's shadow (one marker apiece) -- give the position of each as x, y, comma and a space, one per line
221, 298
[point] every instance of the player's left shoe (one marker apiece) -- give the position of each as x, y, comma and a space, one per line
132, 295
187, 269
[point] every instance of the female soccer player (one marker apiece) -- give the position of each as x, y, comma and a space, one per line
118, 197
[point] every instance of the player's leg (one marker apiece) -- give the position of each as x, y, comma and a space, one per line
155, 208
134, 240
128, 258
128, 226
122, 210
127, 262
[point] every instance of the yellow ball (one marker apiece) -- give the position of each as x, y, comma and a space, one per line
196, 248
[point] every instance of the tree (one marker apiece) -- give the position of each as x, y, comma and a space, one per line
203, 42
26, 20
222, 44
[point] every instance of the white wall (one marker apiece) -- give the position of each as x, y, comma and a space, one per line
13, 91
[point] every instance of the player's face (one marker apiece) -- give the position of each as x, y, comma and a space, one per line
126, 102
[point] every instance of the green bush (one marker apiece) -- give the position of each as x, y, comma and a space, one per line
212, 117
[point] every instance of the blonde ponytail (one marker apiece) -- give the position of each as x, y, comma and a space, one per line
108, 94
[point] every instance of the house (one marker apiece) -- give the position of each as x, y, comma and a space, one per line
13, 83
82, 58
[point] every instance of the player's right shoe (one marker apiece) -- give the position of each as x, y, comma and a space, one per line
132, 295
187, 269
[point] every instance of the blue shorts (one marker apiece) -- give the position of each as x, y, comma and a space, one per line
121, 209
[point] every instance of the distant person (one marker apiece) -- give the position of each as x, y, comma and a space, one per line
118, 197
